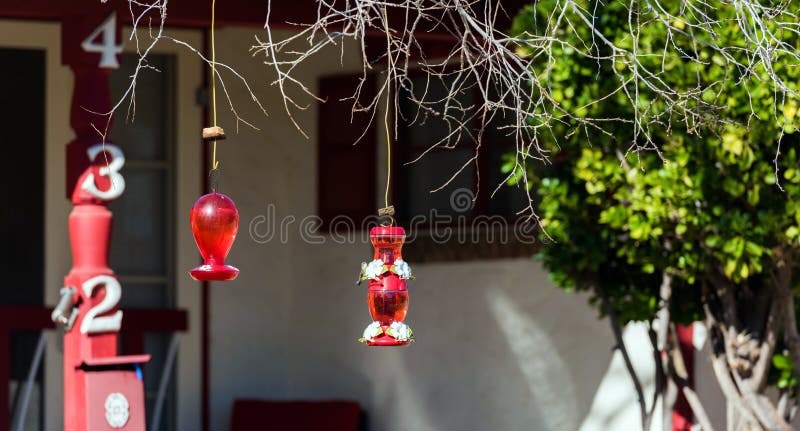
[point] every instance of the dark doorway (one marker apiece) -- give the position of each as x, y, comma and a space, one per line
22, 212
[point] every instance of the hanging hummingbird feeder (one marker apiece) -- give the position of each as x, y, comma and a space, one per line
387, 294
215, 222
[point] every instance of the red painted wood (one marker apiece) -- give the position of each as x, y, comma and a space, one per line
140, 321
156, 320
186, 13
117, 360
137, 322
682, 416
25, 318
86, 387
91, 92
249, 415
90, 229
124, 381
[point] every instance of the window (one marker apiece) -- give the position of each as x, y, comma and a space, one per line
345, 172
432, 153
420, 174
347, 175
142, 240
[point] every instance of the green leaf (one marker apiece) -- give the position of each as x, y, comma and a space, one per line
713, 241
744, 271
782, 362
754, 249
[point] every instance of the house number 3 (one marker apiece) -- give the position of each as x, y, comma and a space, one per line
111, 170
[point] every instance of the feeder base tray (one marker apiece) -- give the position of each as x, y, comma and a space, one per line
385, 341
214, 273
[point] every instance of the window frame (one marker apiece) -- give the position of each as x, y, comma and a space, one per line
480, 179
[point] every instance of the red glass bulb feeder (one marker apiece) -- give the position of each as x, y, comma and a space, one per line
387, 294
215, 222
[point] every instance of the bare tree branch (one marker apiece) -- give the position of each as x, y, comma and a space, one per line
620, 346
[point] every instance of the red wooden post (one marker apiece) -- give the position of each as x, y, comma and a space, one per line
102, 391
682, 416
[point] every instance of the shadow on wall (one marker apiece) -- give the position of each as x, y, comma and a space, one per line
615, 406
498, 348
547, 375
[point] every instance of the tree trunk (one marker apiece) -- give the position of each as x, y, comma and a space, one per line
737, 420
743, 322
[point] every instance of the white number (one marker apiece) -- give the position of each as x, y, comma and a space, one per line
91, 323
111, 170
107, 48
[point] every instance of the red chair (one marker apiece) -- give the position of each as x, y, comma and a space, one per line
257, 415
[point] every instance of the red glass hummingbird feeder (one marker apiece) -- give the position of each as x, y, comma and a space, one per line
215, 222
387, 295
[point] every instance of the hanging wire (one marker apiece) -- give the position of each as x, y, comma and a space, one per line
215, 163
386, 114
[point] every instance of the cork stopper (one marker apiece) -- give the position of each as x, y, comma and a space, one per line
214, 133
388, 211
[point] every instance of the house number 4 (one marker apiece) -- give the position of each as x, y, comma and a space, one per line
107, 47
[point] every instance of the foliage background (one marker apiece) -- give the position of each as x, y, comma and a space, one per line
706, 198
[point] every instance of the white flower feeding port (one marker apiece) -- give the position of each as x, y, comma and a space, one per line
402, 269
372, 270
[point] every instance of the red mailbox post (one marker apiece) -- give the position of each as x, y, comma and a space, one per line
102, 391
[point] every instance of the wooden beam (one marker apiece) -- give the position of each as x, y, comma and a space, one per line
186, 13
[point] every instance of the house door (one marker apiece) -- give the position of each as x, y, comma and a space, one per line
22, 217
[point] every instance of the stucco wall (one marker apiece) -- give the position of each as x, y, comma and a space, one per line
498, 348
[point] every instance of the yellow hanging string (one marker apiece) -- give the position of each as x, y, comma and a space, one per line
213, 85
388, 108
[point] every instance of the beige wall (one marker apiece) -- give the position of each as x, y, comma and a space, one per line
498, 348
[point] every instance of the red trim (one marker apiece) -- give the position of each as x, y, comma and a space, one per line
234, 12
387, 231
139, 321
25, 318
117, 360
682, 416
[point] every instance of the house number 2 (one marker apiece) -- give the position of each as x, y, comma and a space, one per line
92, 323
